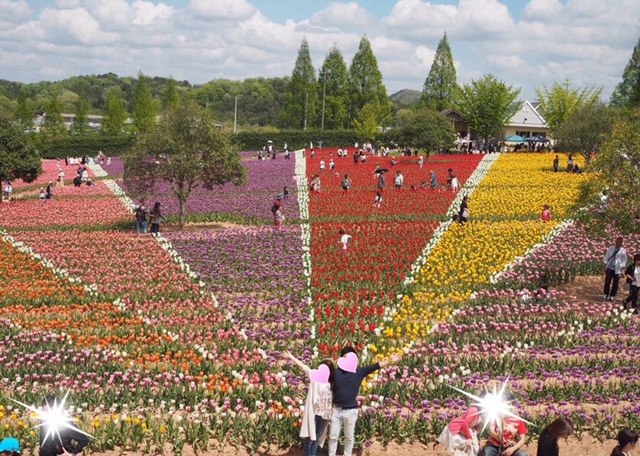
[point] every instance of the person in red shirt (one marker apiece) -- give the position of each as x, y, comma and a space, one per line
546, 214
506, 439
460, 436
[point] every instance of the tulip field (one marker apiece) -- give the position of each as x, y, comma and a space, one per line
173, 344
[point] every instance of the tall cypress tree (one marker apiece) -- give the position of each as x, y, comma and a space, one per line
80, 121
365, 83
441, 88
115, 112
302, 93
333, 85
627, 92
23, 113
170, 97
144, 111
53, 116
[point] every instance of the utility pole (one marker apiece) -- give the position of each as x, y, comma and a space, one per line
324, 94
235, 116
306, 103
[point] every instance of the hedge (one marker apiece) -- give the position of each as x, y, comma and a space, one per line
296, 139
79, 146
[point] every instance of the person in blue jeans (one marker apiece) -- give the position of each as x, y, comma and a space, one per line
141, 219
508, 438
345, 401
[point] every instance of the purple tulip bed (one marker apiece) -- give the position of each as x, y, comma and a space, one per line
249, 203
257, 275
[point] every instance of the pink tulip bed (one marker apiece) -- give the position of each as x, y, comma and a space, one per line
174, 345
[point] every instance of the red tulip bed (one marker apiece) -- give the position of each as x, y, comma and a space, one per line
352, 290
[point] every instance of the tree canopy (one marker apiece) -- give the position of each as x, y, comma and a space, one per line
302, 92
115, 112
610, 198
441, 88
585, 130
424, 129
18, 158
144, 111
561, 101
487, 104
186, 150
627, 92
365, 83
333, 86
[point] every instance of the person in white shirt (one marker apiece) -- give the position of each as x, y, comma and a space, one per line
399, 180
322, 165
61, 179
332, 164
344, 239
455, 184
615, 260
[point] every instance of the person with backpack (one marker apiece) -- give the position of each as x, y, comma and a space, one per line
633, 279
346, 183
141, 219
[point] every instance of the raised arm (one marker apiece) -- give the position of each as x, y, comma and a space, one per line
394, 359
296, 361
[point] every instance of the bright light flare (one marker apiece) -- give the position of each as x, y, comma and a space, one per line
54, 420
493, 406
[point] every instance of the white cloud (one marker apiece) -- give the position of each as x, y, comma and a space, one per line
222, 9
589, 41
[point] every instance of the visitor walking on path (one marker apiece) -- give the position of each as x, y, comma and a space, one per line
141, 219
318, 405
548, 441
156, 219
615, 260
627, 443
460, 437
633, 278
348, 379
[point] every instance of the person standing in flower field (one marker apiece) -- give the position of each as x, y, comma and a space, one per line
434, 180
399, 180
318, 405
633, 277
615, 260
70, 442
141, 218
378, 201
344, 240
345, 398
556, 164
463, 213
156, 219
546, 214
346, 183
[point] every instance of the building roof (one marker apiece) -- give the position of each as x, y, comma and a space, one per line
528, 116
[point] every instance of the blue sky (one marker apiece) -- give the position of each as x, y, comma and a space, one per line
526, 43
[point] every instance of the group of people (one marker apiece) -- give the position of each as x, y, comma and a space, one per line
615, 268
572, 166
332, 400
144, 216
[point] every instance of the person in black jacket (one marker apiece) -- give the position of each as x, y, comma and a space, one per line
463, 213
70, 441
548, 442
627, 442
345, 400
632, 274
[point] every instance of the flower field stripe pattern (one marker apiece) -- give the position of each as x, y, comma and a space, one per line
467, 190
305, 233
61, 273
546, 240
354, 292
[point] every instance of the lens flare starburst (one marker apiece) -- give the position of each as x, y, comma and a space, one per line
53, 419
493, 406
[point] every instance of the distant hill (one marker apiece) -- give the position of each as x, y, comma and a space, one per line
406, 96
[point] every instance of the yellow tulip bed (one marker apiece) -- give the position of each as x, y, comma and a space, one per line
518, 187
504, 224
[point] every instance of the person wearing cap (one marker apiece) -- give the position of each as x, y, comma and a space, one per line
9, 447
